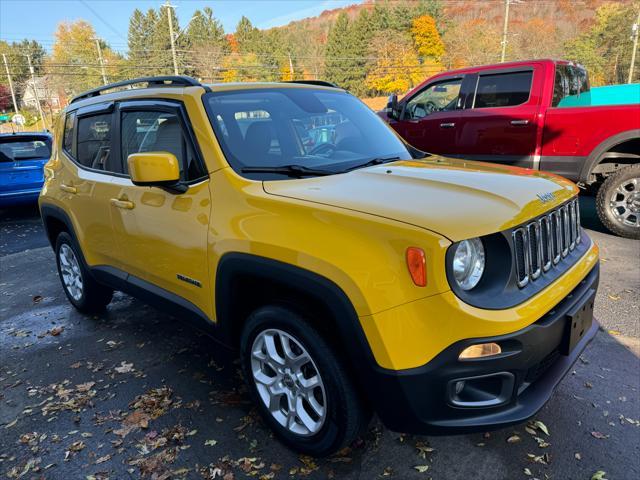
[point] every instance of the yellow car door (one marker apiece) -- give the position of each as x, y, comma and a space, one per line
161, 232
86, 182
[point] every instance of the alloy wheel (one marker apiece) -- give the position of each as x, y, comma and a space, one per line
288, 382
625, 202
70, 271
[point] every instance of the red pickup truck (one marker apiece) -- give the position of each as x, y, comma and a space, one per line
539, 114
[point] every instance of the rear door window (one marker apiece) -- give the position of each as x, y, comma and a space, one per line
94, 142
503, 89
570, 82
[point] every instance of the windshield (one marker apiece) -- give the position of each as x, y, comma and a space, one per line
16, 149
316, 129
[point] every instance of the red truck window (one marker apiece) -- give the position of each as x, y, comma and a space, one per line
570, 80
503, 89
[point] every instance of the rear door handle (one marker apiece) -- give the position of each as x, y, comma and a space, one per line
125, 204
447, 125
519, 122
68, 188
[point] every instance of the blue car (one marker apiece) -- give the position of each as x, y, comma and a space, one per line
22, 158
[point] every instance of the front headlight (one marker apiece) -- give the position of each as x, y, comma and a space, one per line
468, 263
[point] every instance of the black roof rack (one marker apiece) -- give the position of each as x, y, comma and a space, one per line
169, 80
320, 83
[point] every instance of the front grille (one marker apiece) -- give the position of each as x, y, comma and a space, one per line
541, 244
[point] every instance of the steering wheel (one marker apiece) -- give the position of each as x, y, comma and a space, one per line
430, 107
322, 149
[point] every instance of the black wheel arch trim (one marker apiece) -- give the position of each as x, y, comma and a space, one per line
350, 337
595, 156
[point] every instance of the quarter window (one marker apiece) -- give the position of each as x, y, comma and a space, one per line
69, 129
94, 142
503, 90
157, 131
440, 97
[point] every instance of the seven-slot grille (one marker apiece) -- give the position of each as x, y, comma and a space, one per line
540, 245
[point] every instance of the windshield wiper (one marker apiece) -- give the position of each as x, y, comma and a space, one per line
296, 171
371, 163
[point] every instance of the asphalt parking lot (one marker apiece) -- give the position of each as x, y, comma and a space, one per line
133, 393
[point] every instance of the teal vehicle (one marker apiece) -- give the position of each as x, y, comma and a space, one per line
610, 95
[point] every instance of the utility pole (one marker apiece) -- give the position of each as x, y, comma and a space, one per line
35, 92
505, 28
13, 93
104, 75
290, 67
168, 6
634, 34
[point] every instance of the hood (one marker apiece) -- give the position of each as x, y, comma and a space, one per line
456, 198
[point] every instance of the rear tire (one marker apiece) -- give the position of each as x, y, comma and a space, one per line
618, 202
317, 420
81, 289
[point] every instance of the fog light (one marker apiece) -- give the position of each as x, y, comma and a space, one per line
459, 387
480, 350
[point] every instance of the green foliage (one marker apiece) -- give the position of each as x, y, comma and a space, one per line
605, 49
16, 58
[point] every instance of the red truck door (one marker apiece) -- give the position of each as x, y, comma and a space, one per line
428, 119
499, 122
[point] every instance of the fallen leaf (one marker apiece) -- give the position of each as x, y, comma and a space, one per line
513, 439
541, 426
614, 332
614, 297
421, 468
124, 367
56, 331
527, 472
599, 475
37, 298
106, 458
599, 435
578, 456
210, 443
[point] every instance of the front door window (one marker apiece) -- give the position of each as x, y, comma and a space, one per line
439, 97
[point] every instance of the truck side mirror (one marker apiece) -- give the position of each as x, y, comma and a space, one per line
393, 108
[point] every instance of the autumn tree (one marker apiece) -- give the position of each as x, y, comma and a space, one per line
426, 39
398, 68
5, 99
605, 49
472, 42
74, 63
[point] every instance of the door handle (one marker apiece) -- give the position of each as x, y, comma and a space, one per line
519, 122
125, 204
447, 125
68, 188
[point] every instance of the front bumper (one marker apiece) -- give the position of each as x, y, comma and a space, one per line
422, 400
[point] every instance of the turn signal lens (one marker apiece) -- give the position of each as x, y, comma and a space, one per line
480, 350
416, 262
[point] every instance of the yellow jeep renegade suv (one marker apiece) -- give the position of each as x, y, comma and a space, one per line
353, 273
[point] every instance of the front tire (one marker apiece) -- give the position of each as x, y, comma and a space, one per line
618, 202
81, 289
298, 384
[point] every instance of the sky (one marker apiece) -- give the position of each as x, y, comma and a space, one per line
38, 19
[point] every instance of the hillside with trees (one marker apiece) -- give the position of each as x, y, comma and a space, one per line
371, 48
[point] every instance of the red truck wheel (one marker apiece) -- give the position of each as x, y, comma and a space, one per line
618, 202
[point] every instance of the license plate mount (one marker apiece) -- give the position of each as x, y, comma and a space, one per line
579, 320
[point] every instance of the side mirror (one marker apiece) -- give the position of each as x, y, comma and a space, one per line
393, 108
159, 169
